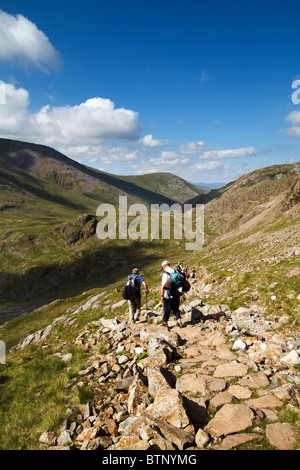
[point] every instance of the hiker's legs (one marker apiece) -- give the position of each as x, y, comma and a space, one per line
137, 302
175, 302
167, 310
132, 309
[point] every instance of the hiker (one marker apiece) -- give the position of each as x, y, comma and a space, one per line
178, 267
193, 274
134, 302
171, 303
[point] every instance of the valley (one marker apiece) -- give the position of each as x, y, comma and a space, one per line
53, 264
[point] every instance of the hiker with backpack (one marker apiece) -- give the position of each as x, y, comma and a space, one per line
178, 267
132, 293
172, 282
193, 274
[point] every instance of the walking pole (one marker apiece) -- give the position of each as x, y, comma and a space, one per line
146, 301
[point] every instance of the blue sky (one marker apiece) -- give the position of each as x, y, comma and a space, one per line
202, 89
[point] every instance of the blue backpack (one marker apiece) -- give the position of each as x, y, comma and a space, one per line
178, 281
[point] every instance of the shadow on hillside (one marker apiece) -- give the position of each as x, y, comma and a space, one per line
132, 189
33, 186
23, 156
102, 268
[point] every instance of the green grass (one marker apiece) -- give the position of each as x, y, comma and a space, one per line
38, 265
241, 272
84, 394
167, 184
33, 396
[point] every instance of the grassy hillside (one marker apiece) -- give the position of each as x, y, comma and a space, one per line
251, 258
168, 185
251, 225
252, 242
45, 252
52, 166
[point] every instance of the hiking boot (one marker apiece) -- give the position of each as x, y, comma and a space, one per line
179, 323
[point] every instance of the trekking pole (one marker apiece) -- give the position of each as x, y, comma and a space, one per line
146, 301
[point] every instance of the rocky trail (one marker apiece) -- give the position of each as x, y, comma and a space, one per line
224, 380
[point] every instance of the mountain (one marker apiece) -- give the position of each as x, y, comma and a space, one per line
48, 206
251, 201
52, 166
76, 368
168, 185
251, 249
48, 202
209, 185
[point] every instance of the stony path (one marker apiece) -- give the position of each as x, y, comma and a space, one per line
210, 385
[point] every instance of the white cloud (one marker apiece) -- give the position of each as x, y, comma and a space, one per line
206, 171
209, 165
109, 155
294, 132
90, 122
216, 171
22, 42
95, 155
294, 118
148, 141
168, 160
229, 153
167, 155
13, 114
189, 148
70, 127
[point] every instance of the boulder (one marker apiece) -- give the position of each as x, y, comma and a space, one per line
65, 439
239, 392
266, 401
173, 434
230, 419
201, 439
88, 433
231, 369
236, 440
168, 405
281, 435
137, 394
193, 384
292, 358
255, 380
239, 345
221, 399
48, 438
156, 380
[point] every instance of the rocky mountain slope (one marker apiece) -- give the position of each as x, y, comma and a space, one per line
252, 201
227, 380
241, 317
